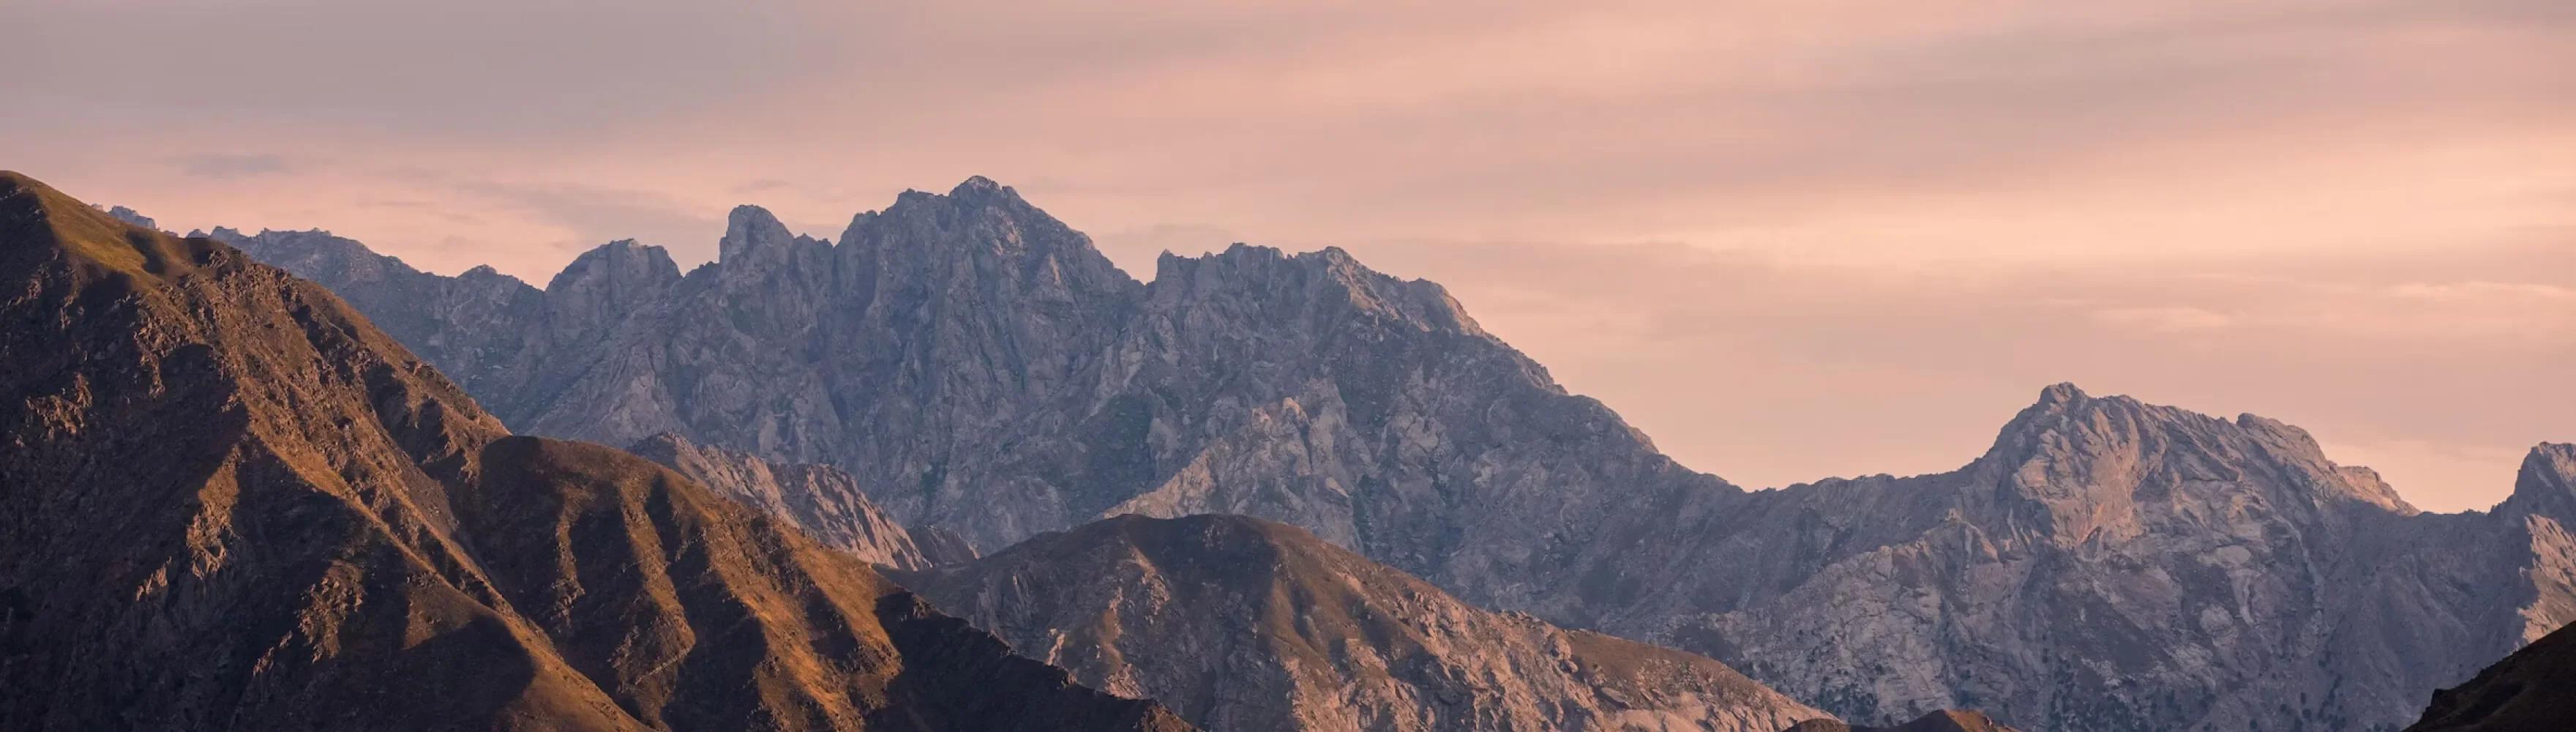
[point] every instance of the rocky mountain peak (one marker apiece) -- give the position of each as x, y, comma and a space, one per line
2546, 483
1305, 282
750, 230
485, 273
2094, 462
976, 185
2060, 394
981, 240
316, 252
131, 216
619, 258
2066, 416
976, 206
619, 276
757, 249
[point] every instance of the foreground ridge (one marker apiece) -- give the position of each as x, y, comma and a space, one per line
2526, 692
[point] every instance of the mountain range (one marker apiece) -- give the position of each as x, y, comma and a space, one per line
229, 502
413, 559
977, 367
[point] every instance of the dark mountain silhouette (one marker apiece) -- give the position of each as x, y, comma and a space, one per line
2533, 690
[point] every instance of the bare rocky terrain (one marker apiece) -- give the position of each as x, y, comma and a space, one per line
819, 499
977, 367
1249, 625
2114, 565
229, 502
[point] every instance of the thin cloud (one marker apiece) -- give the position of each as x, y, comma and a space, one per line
2513, 292
225, 166
593, 215
2165, 319
1879, 225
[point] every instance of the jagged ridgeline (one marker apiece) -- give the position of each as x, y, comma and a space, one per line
229, 502
974, 364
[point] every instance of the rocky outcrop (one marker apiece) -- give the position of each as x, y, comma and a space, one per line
826, 503
132, 216
229, 502
941, 547
1245, 624
2107, 565
2526, 692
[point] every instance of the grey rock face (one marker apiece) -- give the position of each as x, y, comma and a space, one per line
1244, 624
132, 216
942, 547
975, 364
824, 501
2110, 565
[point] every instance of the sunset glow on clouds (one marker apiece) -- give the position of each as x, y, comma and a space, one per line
1788, 240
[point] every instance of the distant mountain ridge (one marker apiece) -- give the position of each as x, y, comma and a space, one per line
2167, 564
229, 502
977, 365
1251, 625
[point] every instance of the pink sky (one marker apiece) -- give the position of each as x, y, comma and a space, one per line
1788, 240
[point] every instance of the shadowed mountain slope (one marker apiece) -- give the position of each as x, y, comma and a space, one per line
229, 502
2533, 690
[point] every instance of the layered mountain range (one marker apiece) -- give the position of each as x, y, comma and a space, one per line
228, 502
975, 365
1256, 625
